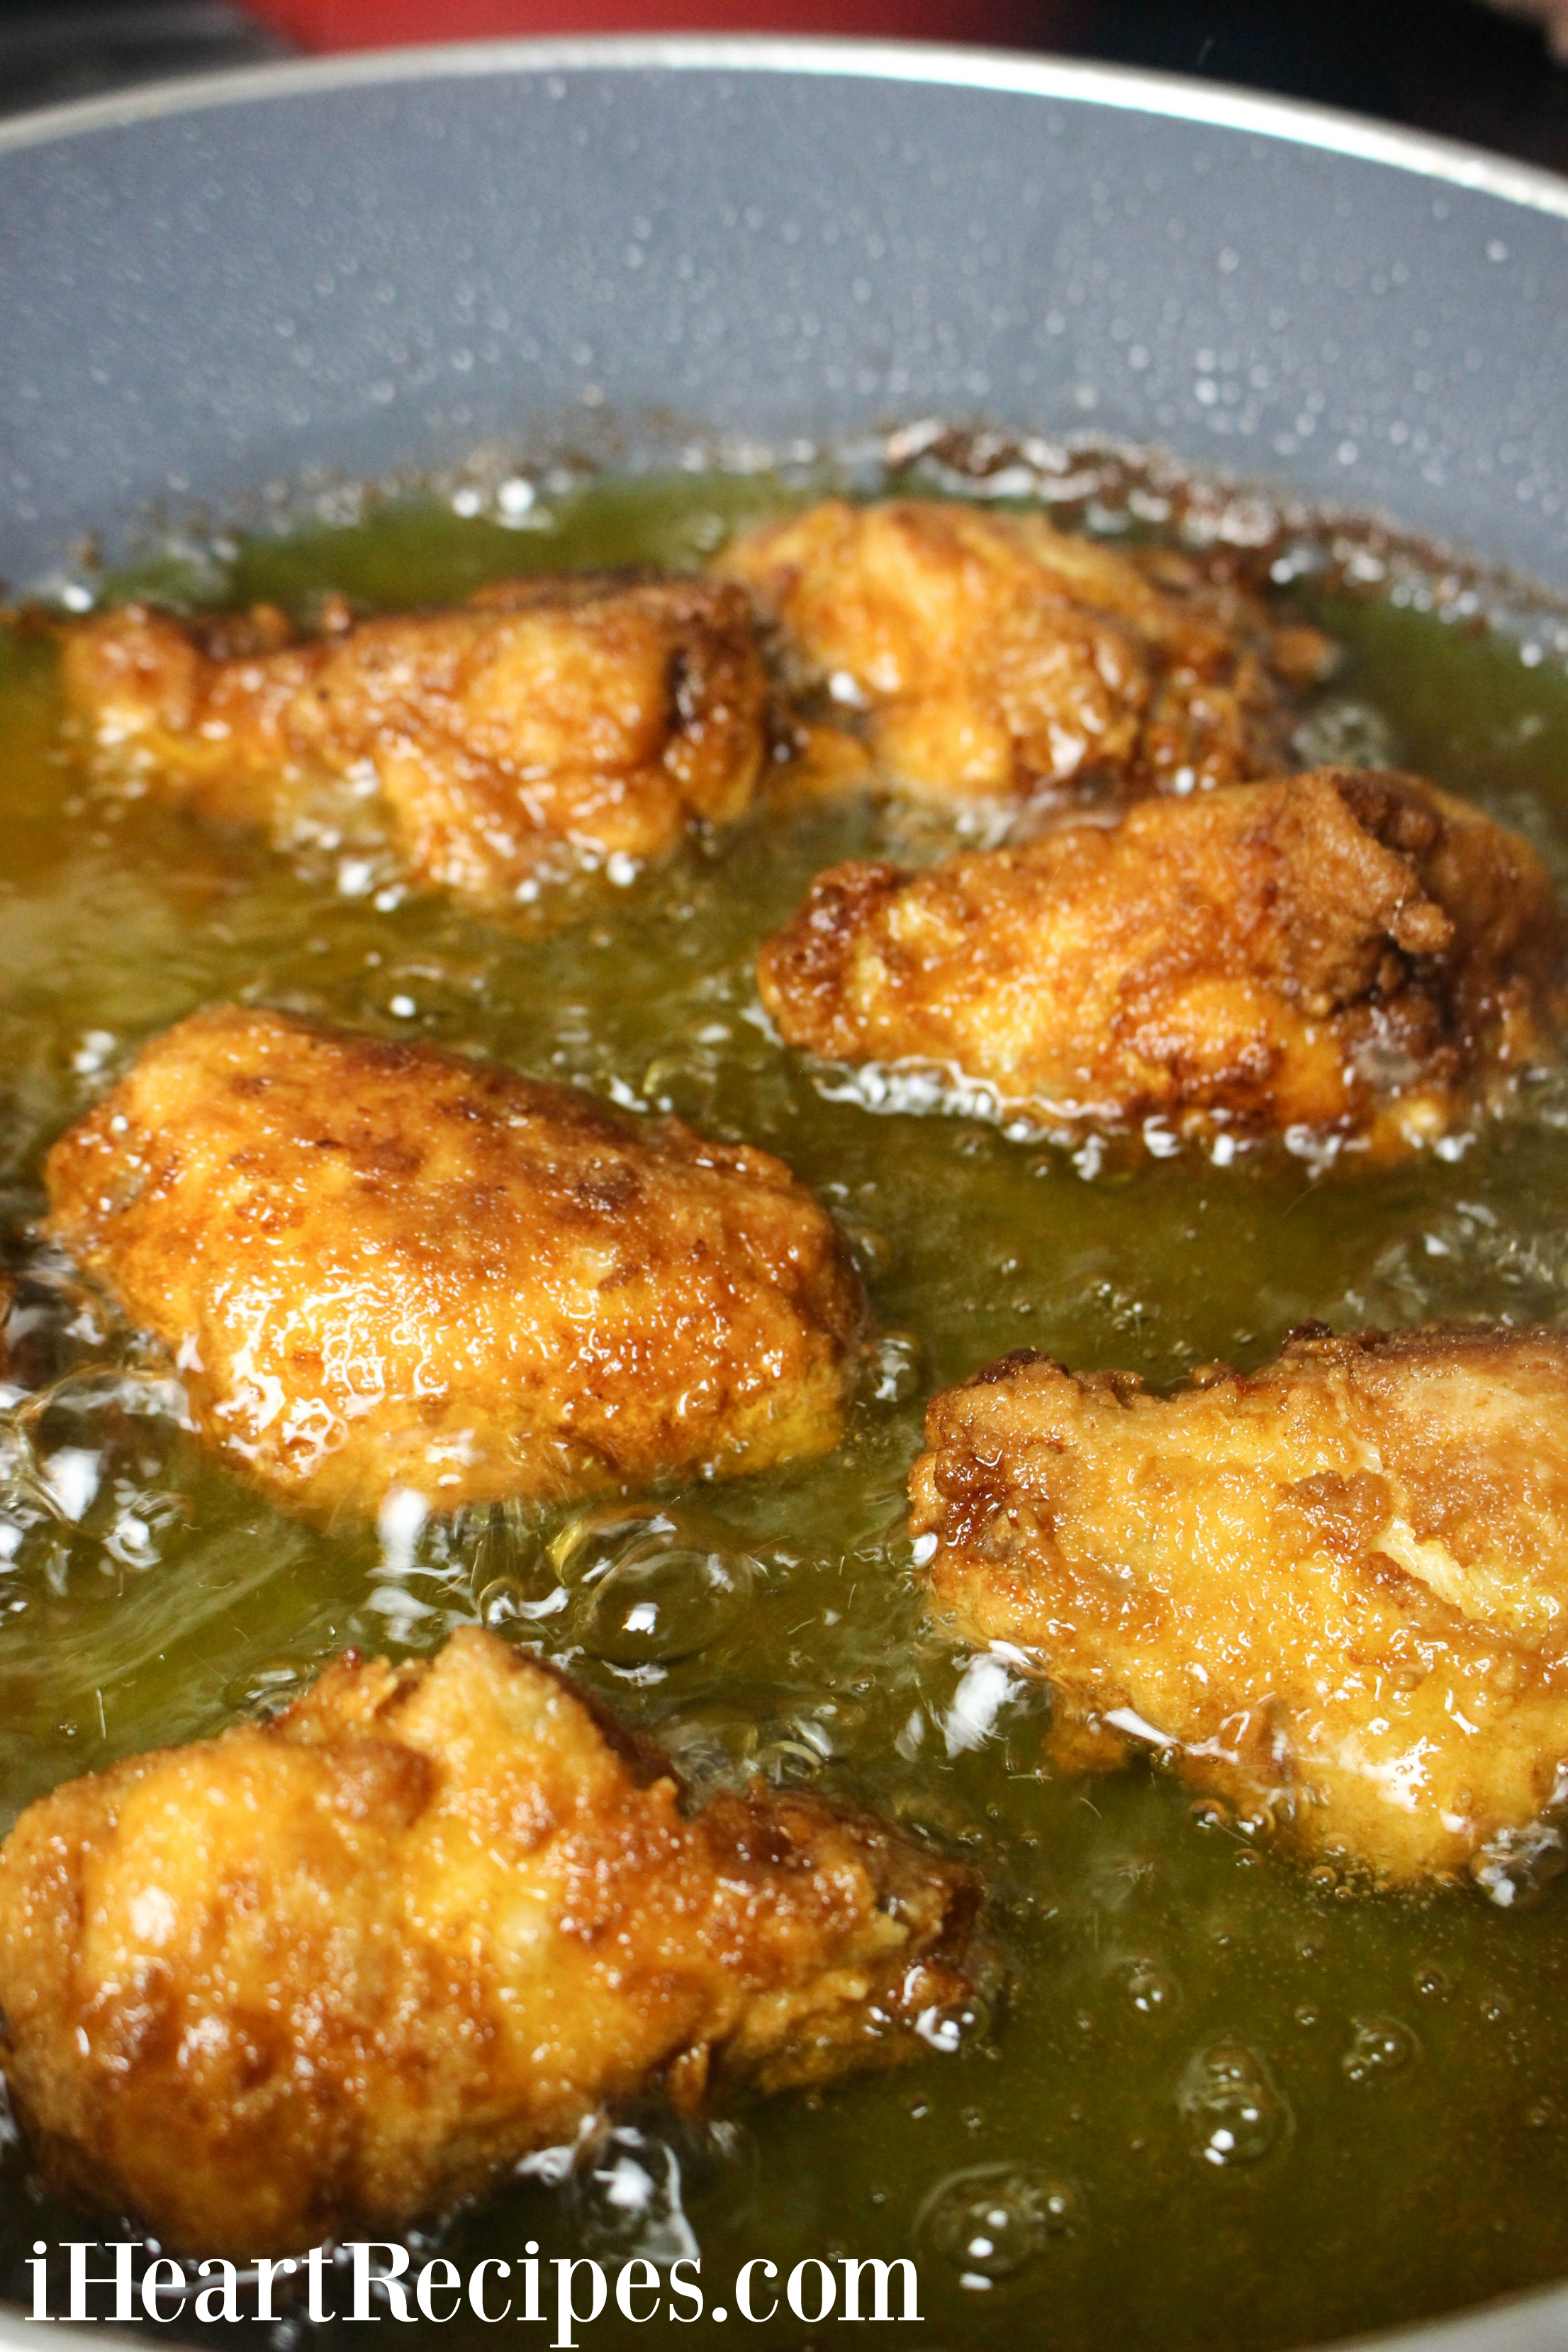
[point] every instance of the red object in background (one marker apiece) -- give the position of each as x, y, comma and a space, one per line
391, 23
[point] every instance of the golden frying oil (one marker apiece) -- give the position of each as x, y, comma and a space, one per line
1225, 2103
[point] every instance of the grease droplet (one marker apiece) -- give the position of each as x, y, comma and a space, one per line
1381, 2045
625, 2198
893, 1367
591, 1540
990, 2221
1232, 2111
664, 1600
1149, 1991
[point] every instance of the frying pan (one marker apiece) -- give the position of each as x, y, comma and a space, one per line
213, 291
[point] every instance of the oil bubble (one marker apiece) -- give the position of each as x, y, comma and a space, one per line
727, 1738
948, 2028
625, 2195
54, 1325
506, 1599
873, 1251
265, 1689
893, 1367
1232, 2111
1514, 1868
496, 1550
990, 1690
87, 1473
512, 1574
625, 2184
591, 1541
660, 1601
104, 1408
793, 1754
500, 1600
991, 2221
1343, 733
1149, 1991
711, 1744
1432, 1982
1381, 2046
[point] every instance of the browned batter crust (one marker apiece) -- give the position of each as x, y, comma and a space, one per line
328, 1974
1333, 1591
545, 723
1351, 954
995, 658
379, 1266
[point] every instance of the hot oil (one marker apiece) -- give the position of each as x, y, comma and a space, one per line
1223, 2101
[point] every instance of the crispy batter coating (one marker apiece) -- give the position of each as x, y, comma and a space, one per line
381, 1266
328, 1974
998, 659
546, 721
1333, 1591
1350, 953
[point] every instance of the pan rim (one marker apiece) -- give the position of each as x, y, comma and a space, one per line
1177, 97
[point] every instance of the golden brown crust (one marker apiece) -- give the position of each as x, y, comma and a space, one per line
546, 720
327, 1974
380, 1265
1350, 953
1334, 1592
997, 659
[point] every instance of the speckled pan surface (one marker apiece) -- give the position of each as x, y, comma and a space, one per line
380, 263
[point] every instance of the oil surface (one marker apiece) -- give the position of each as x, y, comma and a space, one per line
1223, 2103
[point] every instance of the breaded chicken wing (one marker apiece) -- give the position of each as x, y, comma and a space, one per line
328, 1974
1333, 1591
546, 721
998, 659
1347, 954
380, 1266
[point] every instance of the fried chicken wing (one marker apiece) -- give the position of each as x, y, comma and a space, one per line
545, 721
380, 1265
328, 1973
1333, 1591
998, 659
1347, 954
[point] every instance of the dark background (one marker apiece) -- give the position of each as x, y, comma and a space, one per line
1448, 65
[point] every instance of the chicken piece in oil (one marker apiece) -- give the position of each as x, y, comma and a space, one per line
1333, 1591
328, 1974
380, 1266
546, 723
995, 658
1350, 956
